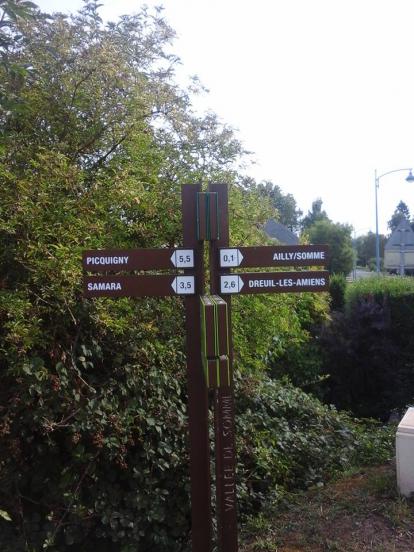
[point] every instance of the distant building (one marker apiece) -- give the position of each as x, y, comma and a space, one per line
280, 233
399, 250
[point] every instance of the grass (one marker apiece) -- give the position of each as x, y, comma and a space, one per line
361, 512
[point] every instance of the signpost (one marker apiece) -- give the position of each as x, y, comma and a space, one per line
224, 408
208, 330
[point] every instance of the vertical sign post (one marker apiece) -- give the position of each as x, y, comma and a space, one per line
224, 401
197, 390
208, 330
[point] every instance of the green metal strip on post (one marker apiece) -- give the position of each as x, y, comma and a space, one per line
216, 329
208, 225
208, 326
200, 216
206, 371
207, 216
203, 326
203, 339
214, 341
222, 325
214, 325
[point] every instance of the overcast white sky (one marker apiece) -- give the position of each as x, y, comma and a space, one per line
322, 91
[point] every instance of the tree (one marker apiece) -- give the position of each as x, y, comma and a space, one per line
366, 248
288, 212
75, 84
13, 72
338, 237
10, 12
401, 213
315, 214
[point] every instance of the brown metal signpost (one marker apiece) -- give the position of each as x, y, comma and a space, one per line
201, 524
208, 330
224, 422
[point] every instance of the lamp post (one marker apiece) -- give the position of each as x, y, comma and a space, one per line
410, 178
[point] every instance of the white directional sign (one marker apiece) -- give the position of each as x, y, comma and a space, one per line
230, 257
183, 258
231, 284
184, 285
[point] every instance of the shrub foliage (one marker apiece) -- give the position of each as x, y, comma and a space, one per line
370, 348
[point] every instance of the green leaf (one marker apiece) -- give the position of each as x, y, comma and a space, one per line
5, 515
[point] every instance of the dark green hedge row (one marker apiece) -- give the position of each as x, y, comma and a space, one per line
369, 348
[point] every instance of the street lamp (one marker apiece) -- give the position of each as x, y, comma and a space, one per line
410, 178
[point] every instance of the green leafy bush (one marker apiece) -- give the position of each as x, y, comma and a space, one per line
370, 348
378, 288
294, 352
337, 287
93, 446
289, 439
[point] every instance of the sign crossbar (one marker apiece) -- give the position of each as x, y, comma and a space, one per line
102, 260
160, 285
279, 255
274, 282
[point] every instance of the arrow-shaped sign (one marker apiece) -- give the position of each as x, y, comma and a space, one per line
230, 257
275, 255
231, 284
275, 282
183, 285
121, 260
183, 258
160, 285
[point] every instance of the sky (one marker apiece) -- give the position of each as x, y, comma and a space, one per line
322, 91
